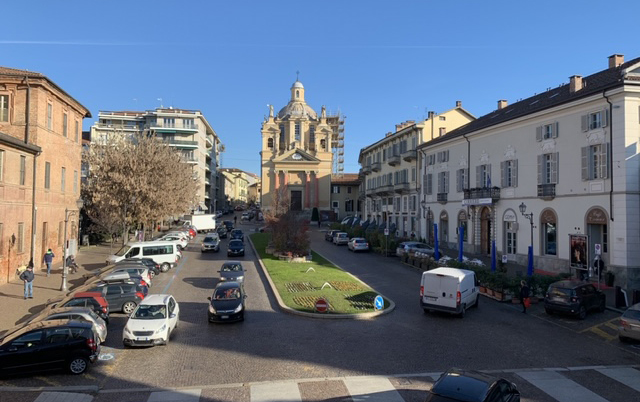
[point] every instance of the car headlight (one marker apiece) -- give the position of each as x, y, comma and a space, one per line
238, 309
241, 250
161, 329
212, 310
239, 278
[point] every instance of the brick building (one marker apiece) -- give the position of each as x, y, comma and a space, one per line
41, 143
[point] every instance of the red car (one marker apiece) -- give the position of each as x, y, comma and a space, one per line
92, 300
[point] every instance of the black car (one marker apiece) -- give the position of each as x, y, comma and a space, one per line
120, 296
232, 271
471, 386
573, 297
222, 232
154, 268
236, 247
48, 345
227, 302
329, 235
228, 225
237, 234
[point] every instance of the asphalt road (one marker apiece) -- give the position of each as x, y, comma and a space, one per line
271, 345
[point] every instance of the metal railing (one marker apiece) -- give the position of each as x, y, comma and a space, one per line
376, 166
410, 155
393, 160
547, 190
482, 192
442, 197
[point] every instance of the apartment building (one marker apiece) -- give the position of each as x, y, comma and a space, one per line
345, 195
237, 192
390, 169
188, 131
40, 163
558, 171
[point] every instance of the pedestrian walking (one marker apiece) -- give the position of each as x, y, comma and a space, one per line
27, 277
48, 259
235, 220
524, 296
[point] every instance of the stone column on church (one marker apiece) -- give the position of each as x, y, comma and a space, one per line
317, 190
307, 190
286, 178
277, 179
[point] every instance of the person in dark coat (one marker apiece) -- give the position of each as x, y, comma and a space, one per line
27, 277
524, 294
48, 259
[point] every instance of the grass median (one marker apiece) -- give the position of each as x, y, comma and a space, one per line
300, 286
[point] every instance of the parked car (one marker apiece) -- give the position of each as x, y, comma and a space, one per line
125, 277
630, 324
245, 216
413, 247
450, 290
93, 300
180, 241
228, 225
236, 247
165, 253
120, 296
222, 232
227, 302
237, 234
210, 243
154, 267
152, 322
98, 325
47, 345
573, 297
136, 270
232, 271
472, 386
340, 238
329, 235
358, 244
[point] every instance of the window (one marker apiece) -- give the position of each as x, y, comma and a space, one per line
483, 176
428, 183
188, 123
4, 107
549, 233
443, 156
595, 162
548, 168
169, 122
65, 121
461, 180
335, 190
431, 159
413, 174
405, 204
348, 190
57, 335
63, 179
1, 165
595, 120
157, 250
547, 131
348, 206
297, 132
511, 239
77, 131
28, 340
270, 143
47, 175
20, 239
49, 116
323, 144
509, 172
335, 204
23, 170
443, 182
442, 118
442, 131
414, 141
413, 205
60, 232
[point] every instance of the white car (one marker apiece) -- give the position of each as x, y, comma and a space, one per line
182, 242
152, 322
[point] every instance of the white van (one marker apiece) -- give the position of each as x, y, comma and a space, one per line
451, 290
164, 253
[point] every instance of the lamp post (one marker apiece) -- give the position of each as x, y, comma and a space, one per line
425, 214
523, 209
67, 214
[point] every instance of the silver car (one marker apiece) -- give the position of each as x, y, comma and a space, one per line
232, 271
210, 243
358, 244
74, 313
630, 324
340, 238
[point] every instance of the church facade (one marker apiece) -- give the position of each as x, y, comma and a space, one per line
296, 157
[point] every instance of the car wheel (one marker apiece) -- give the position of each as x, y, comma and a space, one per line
78, 365
425, 311
463, 312
152, 274
602, 306
582, 313
128, 307
165, 267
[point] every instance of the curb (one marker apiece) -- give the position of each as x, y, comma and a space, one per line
287, 309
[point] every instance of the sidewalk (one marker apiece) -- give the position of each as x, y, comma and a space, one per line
16, 309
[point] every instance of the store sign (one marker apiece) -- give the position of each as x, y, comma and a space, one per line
509, 216
478, 201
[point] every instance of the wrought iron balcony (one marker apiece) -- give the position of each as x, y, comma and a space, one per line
402, 187
384, 190
393, 160
376, 166
181, 143
547, 191
442, 197
410, 155
482, 192
370, 191
366, 169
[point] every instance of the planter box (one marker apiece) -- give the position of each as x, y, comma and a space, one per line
270, 250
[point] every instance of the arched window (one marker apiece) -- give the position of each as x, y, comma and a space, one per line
323, 144
297, 94
549, 225
270, 142
462, 223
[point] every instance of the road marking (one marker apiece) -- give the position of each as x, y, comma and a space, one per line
184, 259
560, 387
183, 395
63, 397
602, 333
627, 376
602, 323
372, 389
612, 325
284, 391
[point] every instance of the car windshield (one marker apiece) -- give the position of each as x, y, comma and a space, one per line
559, 292
123, 251
209, 239
151, 312
231, 268
360, 241
632, 314
226, 294
235, 243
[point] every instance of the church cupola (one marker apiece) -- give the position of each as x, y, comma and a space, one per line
297, 92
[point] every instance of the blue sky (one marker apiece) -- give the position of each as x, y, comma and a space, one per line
378, 62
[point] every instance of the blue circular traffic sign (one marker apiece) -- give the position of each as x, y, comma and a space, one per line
378, 302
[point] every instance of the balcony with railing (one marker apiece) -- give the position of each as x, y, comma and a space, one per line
376, 166
366, 169
402, 187
442, 197
547, 191
181, 143
370, 192
385, 189
410, 155
173, 126
393, 160
482, 192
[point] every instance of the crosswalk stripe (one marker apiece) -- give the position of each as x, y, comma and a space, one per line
560, 387
284, 391
627, 376
602, 333
612, 326
372, 389
183, 395
63, 397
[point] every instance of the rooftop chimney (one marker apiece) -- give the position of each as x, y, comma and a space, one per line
615, 60
389, 134
575, 83
431, 114
502, 103
458, 103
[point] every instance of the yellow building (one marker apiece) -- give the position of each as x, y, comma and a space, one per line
297, 155
237, 185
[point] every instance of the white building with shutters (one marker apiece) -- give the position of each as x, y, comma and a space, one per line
569, 154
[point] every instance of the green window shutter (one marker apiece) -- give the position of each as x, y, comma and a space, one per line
539, 133
503, 174
540, 169
585, 122
585, 163
514, 173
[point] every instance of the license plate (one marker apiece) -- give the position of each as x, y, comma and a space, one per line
431, 298
224, 316
144, 338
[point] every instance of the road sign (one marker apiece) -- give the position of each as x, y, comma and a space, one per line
598, 249
378, 302
386, 232
321, 305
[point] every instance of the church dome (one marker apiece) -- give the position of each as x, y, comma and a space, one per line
297, 110
297, 84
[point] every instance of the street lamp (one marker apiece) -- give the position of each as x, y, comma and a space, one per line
67, 214
523, 209
425, 214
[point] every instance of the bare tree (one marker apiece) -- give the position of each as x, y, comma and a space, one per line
137, 178
289, 231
